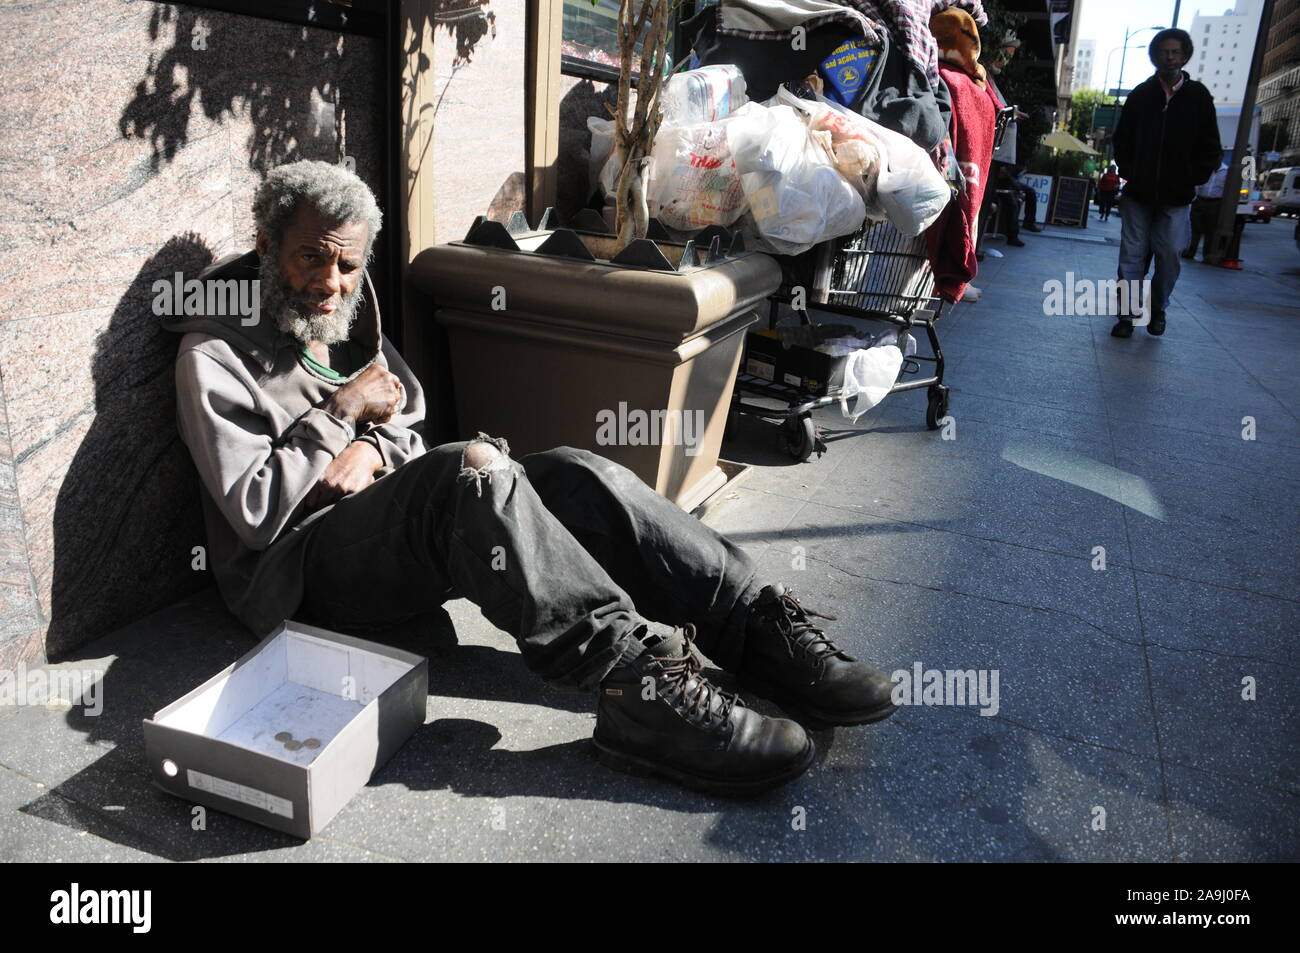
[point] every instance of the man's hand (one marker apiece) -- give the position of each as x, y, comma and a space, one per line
350, 472
373, 397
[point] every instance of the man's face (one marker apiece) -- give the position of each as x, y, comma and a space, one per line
312, 276
1169, 57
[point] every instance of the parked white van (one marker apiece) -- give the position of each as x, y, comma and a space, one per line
1282, 188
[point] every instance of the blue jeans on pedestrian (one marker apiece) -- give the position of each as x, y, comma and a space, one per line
568, 552
1153, 231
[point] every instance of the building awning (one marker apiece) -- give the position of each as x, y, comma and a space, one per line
1062, 140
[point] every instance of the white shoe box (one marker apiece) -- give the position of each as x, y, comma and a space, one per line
290, 732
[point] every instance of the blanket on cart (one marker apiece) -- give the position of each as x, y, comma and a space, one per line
951, 240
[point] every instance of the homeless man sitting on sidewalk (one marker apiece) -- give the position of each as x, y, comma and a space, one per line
323, 502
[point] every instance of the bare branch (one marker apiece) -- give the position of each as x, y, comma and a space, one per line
635, 126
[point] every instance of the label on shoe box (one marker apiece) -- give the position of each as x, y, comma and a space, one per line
240, 792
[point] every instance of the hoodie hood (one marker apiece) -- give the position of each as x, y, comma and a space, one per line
219, 302
958, 39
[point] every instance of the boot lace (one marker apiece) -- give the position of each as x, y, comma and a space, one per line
695, 701
802, 637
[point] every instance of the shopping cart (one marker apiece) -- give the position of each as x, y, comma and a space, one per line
877, 274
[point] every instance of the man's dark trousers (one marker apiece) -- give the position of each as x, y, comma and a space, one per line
1031, 201
567, 551
1009, 213
1204, 218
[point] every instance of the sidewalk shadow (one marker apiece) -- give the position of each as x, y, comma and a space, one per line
296, 111
161, 658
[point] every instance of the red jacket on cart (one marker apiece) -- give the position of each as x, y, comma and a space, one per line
951, 240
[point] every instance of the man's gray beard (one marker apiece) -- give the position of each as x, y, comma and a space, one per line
291, 312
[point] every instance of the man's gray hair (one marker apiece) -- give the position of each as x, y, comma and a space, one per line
337, 194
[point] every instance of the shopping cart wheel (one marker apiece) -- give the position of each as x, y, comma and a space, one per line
937, 408
799, 437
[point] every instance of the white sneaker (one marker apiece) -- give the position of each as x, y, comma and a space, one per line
972, 294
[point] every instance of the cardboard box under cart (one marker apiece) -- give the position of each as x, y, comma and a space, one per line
794, 366
289, 733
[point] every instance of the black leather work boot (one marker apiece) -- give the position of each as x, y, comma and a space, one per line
791, 661
658, 715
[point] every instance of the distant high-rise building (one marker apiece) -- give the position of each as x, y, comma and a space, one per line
1279, 86
1223, 47
1084, 55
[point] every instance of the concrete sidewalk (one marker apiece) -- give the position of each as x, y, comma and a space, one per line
1120, 688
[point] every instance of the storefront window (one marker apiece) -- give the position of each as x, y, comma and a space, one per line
589, 43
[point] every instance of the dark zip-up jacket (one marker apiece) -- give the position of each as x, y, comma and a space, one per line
1166, 150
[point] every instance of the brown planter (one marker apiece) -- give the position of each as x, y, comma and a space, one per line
554, 351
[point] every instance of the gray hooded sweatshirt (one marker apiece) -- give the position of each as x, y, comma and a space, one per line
248, 406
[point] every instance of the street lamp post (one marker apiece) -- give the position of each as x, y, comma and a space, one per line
1105, 85
1119, 86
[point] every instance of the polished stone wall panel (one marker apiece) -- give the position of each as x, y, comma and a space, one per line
21, 625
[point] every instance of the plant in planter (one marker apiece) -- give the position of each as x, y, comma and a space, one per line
613, 343
635, 126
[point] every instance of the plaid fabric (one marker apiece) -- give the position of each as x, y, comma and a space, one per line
973, 7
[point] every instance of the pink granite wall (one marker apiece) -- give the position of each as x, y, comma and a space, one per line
130, 151
21, 627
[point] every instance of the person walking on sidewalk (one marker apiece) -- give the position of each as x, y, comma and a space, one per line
1166, 144
1107, 191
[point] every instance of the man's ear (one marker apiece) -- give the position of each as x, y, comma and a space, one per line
262, 243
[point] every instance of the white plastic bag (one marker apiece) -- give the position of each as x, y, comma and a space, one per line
602, 164
693, 178
911, 192
868, 376
912, 195
692, 182
870, 373
796, 197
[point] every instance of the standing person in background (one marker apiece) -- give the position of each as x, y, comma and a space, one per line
1107, 191
1166, 144
1006, 168
1006, 187
951, 241
1205, 209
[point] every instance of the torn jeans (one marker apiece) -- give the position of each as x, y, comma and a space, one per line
570, 553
